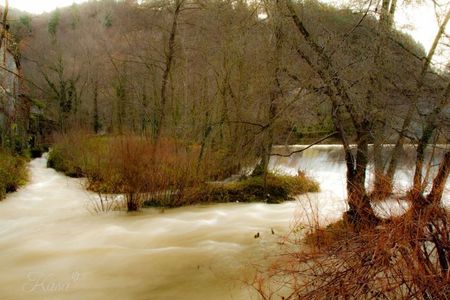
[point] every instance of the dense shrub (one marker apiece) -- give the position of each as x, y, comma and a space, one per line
77, 154
13, 172
142, 170
133, 166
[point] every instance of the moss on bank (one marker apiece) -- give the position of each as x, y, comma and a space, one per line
13, 172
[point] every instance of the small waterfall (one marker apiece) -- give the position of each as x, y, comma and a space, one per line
326, 164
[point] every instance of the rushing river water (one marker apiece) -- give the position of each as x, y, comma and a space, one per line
52, 247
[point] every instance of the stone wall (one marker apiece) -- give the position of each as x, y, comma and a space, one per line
9, 90
9, 81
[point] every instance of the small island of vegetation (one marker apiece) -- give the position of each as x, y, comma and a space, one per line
167, 174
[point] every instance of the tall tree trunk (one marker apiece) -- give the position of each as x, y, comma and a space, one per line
96, 121
121, 96
430, 127
5, 19
420, 158
167, 68
385, 23
360, 211
275, 92
440, 180
381, 187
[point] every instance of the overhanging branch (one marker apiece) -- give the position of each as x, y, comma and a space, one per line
307, 147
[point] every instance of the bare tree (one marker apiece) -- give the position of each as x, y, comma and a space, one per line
360, 210
403, 133
169, 57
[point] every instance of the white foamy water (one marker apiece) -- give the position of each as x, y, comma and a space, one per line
52, 247
326, 164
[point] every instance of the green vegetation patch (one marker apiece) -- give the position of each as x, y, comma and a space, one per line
58, 161
251, 189
77, 155
13, 172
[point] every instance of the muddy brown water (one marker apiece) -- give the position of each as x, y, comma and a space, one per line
53, 247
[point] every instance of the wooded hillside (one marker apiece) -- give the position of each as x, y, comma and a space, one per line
202, 70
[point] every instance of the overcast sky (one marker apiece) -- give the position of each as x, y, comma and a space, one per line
419, 21
39, 6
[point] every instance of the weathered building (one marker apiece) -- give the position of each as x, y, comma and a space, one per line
9, 75
12, 108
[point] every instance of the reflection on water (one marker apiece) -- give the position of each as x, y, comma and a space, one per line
53, 248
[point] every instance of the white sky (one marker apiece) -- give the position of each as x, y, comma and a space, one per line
419, 21
40, 6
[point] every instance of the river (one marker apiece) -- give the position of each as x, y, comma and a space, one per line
53, 247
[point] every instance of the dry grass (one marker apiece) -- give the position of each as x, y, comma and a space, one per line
323, 237
382, 189
404, 258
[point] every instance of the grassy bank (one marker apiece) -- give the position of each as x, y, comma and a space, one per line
166, 174
13, 172
251, 189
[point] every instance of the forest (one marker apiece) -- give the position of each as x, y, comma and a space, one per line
158, 107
